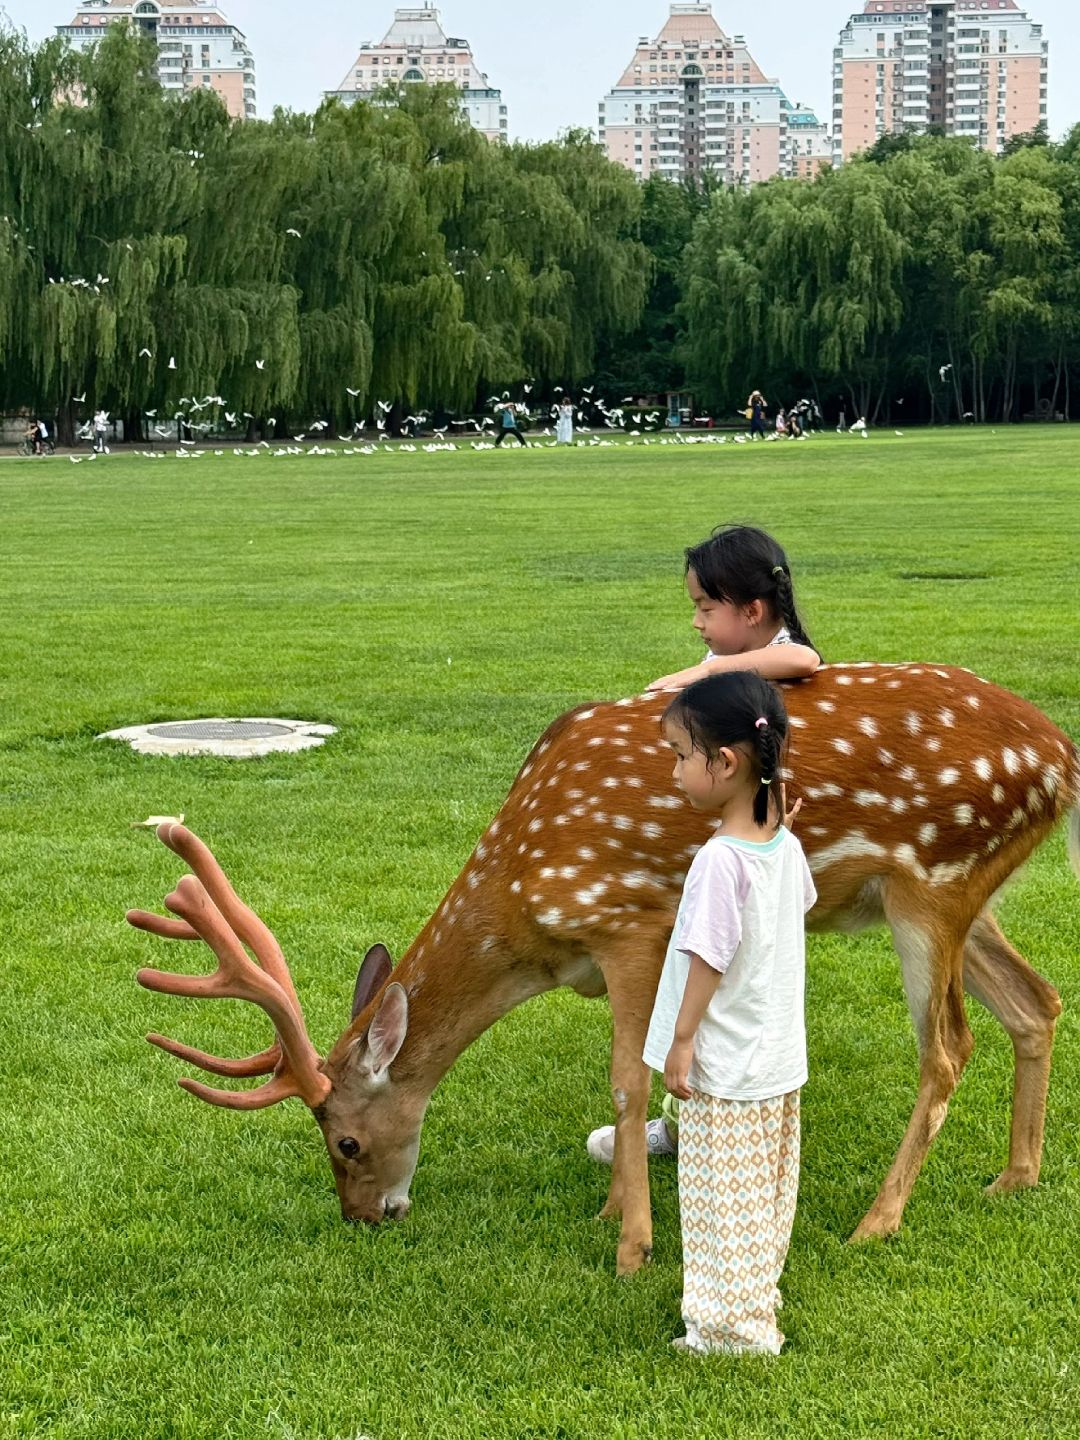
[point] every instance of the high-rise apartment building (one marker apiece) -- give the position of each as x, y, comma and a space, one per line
694, 101
197, 46
970, 67
416, 50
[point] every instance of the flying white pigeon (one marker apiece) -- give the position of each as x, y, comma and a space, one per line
353, 393
944, 370
260, 364
295, 233
80, 399
145, 352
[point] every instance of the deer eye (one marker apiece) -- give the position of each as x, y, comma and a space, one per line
348, 1147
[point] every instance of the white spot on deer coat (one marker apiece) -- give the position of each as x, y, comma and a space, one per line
949, 776
869, 797
844, 679
845, 747
982, 767
963, 814
913, 722
665, 802
651, 829
947, 718
1011, 761
551, 916
854, 846
828, 791
997, 794
826, 705
927, 834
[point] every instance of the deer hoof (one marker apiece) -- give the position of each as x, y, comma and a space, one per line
633, 1254
1013, 1179
873, 1227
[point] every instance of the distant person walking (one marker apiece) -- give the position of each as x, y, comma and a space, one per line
564, 426
508, 423
755, 413
101, 426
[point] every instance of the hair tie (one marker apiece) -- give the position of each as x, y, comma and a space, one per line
778, 570
761, 723
769, 780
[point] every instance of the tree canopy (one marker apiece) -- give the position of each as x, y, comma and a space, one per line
151, 247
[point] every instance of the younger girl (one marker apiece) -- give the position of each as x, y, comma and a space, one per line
727, 1028
744, 610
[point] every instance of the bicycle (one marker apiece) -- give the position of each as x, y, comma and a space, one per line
26, 447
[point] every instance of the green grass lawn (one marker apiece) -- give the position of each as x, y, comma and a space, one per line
169, 1270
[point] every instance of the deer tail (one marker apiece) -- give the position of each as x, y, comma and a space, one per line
1072, 831
1072, 838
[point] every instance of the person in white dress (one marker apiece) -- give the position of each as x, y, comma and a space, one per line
564, 427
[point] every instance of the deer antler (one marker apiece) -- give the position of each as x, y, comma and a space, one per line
210, 910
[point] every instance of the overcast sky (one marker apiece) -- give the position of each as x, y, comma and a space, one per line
554, 63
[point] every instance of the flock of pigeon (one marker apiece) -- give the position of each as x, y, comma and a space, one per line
623, 427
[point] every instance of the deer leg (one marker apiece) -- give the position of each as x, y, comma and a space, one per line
1028, 1006
931, 963
631, 977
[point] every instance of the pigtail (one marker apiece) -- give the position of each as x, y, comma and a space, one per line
769, 742
785, 604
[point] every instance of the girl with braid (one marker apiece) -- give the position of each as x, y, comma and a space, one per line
744, 609
727, 1030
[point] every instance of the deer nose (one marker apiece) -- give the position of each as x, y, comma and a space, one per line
396, 1209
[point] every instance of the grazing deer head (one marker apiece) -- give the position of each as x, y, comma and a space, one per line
924, 788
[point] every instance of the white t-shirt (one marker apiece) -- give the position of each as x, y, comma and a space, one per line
742, 911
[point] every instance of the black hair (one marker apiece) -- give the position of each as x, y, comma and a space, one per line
741, 564
727, 709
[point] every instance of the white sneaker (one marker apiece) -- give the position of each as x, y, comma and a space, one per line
601, 1143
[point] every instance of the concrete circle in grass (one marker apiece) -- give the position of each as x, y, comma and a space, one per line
230, 738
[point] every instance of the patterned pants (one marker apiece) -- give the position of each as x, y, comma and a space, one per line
738, 1181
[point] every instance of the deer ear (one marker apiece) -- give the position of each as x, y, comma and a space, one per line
372, 975
386, 1033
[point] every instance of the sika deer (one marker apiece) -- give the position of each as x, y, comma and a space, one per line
924, 788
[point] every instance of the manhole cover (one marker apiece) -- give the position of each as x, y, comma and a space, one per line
218, 730
233, 739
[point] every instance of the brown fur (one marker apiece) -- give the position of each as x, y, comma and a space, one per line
924, 788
